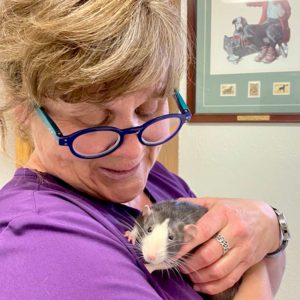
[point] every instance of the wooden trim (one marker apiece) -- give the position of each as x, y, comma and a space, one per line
245, 118
191, 63
23, 151
168, 155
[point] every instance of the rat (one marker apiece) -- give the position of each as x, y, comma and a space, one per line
162, 229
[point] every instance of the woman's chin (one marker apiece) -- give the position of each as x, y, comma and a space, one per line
124, 197
119, 191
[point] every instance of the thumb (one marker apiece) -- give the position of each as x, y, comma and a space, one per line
207, 226
186, 248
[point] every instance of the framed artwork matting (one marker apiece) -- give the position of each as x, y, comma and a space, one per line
246, 61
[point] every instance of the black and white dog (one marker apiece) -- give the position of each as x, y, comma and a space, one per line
239, 24
238, 45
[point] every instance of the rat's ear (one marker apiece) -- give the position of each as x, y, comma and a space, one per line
146, 211
190, 232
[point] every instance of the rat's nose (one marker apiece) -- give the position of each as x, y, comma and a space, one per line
150, 257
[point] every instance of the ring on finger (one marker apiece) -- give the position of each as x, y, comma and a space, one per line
223, 242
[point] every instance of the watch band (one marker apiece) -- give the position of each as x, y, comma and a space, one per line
284, 231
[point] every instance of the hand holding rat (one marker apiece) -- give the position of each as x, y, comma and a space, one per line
251, 230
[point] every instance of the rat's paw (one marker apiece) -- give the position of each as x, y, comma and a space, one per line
130, 237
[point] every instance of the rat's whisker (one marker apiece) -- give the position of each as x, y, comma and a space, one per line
177, 272
127, 224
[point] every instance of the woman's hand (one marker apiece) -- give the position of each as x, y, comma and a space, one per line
251, 230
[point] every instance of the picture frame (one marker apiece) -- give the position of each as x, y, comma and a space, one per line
222, 90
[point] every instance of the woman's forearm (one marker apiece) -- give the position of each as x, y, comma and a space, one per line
256, 284
275, 267
262, 281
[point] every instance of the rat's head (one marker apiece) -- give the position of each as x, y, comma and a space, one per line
162, 237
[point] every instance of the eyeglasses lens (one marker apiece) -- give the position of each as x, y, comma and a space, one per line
103, 141
160, 131
95, 142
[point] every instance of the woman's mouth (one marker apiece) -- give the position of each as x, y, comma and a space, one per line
117, 174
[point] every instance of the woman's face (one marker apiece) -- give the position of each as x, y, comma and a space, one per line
120, 176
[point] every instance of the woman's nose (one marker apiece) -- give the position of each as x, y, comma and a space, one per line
130, 148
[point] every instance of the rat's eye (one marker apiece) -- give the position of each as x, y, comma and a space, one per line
149, 229
171, 237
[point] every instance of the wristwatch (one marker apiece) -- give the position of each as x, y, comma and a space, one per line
284, 232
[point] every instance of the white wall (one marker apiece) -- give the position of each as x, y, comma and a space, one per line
7, 163
256, 161
249, 161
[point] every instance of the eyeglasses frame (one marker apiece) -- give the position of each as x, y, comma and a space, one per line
67, 140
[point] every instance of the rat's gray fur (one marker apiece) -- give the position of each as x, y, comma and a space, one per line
180, 213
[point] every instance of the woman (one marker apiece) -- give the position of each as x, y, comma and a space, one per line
89, 83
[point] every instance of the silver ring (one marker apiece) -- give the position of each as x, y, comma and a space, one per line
224, 244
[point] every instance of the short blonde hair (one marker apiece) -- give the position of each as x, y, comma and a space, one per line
88, 50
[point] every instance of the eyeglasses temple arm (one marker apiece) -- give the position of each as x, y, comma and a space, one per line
54, 130
182, 106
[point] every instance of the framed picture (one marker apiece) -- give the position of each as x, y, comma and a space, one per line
246, 61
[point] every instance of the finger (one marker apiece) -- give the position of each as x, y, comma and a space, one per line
218, 270
211, 223
218, 286
204, 256
208, 253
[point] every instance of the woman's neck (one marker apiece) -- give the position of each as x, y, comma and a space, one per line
139, 202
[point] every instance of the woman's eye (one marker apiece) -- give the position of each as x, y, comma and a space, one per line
150, 108
145, 113
149, 229
94, 120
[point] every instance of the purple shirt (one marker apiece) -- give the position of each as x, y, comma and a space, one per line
59, 243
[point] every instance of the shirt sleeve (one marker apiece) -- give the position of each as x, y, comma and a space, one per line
45, 258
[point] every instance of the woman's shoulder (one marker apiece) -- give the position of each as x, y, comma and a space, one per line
69, 252
53, 229
16, 197
40, 199
30, 192
163, 184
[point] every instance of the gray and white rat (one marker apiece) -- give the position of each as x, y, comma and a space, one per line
162, 229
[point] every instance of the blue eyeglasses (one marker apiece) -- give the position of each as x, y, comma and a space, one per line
100, 141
